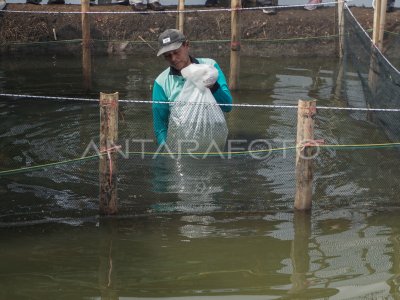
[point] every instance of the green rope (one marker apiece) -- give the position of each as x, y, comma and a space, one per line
391, 32
38, 167
44, 42
339, 147
292, 39
385, 31
153, 42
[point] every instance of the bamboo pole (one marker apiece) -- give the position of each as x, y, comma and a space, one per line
108, 159
86, 55
181, 15
341, 27
235, 45
304, 154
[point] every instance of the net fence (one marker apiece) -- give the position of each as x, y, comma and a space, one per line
50, 169
379, 77
49, 166
116, 29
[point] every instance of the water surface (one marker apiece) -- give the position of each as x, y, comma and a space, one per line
188, 228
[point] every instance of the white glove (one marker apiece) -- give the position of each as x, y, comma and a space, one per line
202, 75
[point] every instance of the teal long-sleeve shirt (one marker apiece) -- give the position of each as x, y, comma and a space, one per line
167, 88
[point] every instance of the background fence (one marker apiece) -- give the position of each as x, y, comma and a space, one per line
50, 167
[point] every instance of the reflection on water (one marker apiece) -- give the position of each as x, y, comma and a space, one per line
340, 254
193, 181
193, 227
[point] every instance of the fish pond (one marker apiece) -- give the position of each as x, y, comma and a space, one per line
219, 227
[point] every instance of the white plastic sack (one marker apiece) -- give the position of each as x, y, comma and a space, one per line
196, 122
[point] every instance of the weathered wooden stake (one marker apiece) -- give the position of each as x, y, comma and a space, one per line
341, 27
304, 154
108, 161
235, 45
181, 15
86, 55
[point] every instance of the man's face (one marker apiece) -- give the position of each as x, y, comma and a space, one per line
178, 58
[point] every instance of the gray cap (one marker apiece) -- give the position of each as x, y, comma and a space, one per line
169, 40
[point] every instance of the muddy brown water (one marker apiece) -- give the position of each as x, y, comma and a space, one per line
216, 228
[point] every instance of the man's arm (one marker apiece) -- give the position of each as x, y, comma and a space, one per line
221, 91
160, 114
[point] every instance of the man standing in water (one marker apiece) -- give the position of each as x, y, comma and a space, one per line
174, 46
390, 6
313, 4
269, 5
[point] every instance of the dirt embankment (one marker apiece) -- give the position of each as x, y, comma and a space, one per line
291, 32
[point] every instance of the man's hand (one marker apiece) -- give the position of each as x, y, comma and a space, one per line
210, 76
202, 75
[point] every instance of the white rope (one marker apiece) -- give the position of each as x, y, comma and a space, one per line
47, 97
360, 109
194, 103
171, 11
372, 43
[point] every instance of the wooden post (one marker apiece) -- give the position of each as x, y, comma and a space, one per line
382, 22
377, 20
86, 55
304, 154
377, 40
181, 15
108, 161
341, 27
235, 45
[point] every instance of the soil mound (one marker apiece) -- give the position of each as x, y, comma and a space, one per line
312, 32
